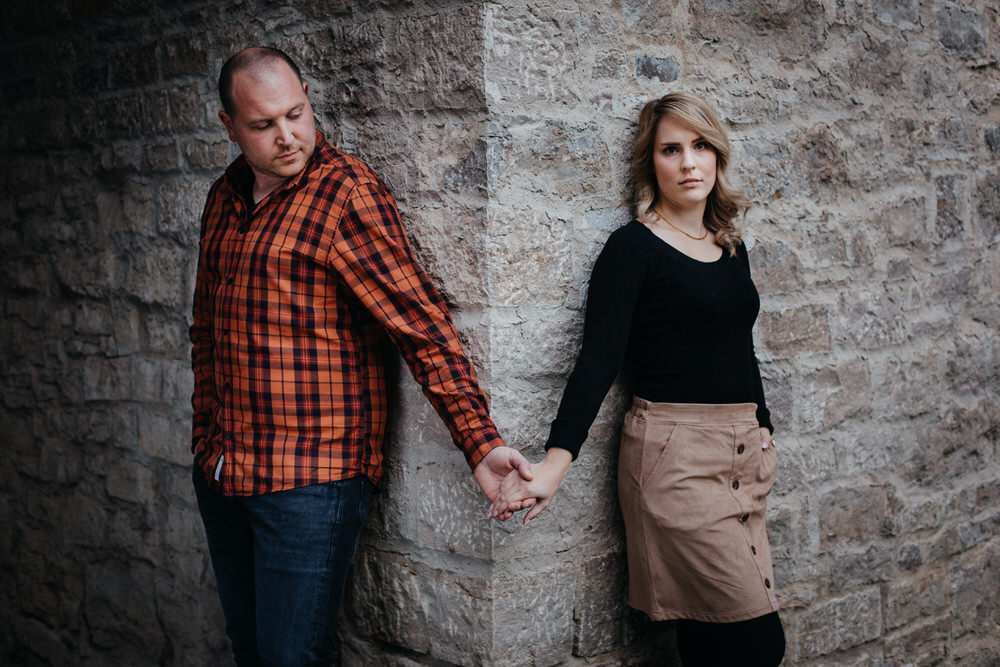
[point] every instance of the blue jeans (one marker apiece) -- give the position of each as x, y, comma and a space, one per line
280, 562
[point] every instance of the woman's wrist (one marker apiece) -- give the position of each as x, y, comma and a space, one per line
558, 458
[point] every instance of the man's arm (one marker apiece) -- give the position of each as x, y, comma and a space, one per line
203, 399
372, 255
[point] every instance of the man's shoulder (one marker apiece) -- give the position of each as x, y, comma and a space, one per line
337, 164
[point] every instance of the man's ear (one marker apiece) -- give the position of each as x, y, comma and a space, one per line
227, 120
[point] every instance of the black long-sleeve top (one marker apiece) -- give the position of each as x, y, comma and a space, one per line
684, 326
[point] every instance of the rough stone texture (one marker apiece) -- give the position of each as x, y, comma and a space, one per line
866, 132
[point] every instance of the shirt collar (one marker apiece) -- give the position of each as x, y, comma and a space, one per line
240, 175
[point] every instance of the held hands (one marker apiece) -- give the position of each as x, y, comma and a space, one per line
518, 492
495, 468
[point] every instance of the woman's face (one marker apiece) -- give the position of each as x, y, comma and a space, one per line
685, 167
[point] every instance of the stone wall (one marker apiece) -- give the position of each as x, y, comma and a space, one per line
867, 133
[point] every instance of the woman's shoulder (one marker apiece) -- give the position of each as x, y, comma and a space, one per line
630, 235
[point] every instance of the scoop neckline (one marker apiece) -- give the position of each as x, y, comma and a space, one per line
679, 253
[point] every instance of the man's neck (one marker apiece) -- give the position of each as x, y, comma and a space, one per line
265, 184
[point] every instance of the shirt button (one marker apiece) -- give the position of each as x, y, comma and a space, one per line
736, 484
744, 518
767, 582
753, 550
739, 450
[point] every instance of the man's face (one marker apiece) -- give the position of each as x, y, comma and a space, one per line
272, 121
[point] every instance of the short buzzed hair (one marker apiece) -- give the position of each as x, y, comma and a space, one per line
254, 57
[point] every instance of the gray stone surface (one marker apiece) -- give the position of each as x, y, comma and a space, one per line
867, 135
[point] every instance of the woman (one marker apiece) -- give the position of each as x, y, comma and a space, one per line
671, 293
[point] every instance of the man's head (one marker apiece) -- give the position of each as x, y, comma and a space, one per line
267, 112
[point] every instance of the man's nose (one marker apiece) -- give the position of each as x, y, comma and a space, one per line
284, 132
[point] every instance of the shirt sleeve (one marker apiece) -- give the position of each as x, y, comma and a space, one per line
763, 414
371, 254
203, 399
615, 285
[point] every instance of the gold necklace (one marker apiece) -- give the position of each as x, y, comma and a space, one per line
653, 212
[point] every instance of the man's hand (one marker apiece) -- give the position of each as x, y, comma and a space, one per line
495, 467
517, 494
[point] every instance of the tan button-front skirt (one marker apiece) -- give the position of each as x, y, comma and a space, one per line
693, 482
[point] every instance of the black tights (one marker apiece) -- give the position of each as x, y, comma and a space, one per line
759, 642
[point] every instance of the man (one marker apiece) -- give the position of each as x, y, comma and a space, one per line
304, 274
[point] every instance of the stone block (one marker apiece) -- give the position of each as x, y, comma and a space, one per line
961, 30
794, 29
212, 155
906, 220
59, 462
83, 520
533, 252
167, 332
450, 244
794, 331
950, 220
601, 605
987, 200
776, 268
925, 644
428, 610
536, 342
839, 624
179, 204
107, 379
162, 275
961, 441
870, 320
185, 54
856, 515
901, 14
146, 379
537, 618
120, 117
664, 69
163, 157
526, 56
134, 66
914, 598
451, 510
612, 65
130, 480
992, 138
165, 437
178, 383
120, 599
974, 592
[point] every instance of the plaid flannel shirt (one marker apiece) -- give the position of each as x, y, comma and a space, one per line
295, 300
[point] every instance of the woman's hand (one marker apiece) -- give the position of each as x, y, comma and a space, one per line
765, 438
515, 491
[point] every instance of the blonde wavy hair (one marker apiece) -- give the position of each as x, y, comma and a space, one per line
726, 201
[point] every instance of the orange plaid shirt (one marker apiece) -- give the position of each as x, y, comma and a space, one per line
295, 301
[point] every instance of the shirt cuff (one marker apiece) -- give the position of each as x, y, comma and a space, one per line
479, 444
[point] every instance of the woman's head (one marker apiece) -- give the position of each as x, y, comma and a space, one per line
725, 201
